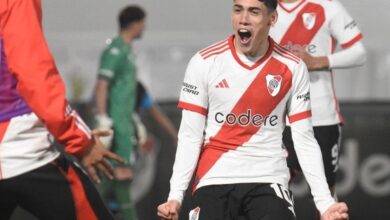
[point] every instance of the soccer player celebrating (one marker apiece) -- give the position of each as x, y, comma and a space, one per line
235, 97
310, 29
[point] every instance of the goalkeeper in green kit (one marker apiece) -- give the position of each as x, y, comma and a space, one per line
115, 102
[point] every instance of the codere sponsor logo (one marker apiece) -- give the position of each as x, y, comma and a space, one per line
292, 47
247, 118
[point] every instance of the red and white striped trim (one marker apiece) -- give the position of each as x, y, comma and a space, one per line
290, 10
287, 51
212, 46
286, 54
299, 116
68, 110
352, 42
81, 124
192, 107
215, 50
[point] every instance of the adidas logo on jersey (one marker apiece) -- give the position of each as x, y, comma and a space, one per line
222, 84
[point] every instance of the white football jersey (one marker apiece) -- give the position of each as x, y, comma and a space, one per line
317, 25
246, 106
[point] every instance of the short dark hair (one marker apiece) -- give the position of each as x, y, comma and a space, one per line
270, 4
130, 14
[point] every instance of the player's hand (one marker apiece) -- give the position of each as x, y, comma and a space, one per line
312, 63
103, 122
338, 211
95, 159
169, 210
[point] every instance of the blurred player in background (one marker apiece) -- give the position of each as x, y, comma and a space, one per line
145, 104
34, 112
148, 145
235, 97
115, 100
311, 29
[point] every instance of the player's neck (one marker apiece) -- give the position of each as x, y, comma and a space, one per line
127, 37
257, 51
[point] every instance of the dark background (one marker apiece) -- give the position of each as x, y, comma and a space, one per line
363, 179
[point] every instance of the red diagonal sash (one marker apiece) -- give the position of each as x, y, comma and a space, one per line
297, 32
256, 98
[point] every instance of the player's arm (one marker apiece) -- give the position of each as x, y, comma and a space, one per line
346, 33
307, 148
194, 102
109, 62
187, 154
39, 82
147, 104
101, 96
352, 56
41, 86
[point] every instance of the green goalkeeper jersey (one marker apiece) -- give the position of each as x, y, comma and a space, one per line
117, 65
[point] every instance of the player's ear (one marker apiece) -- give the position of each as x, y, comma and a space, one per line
274, 18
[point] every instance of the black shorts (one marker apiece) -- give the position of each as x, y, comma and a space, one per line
59, 190
328, 137
246, 201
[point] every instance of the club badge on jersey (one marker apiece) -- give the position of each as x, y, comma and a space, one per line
274, 83
309, 20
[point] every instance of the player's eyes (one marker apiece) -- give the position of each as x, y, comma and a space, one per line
237, 9
255, 12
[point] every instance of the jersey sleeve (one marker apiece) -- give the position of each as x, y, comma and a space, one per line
307, 149
342, 26
299, 104
39, 82
109, 63
193, 95
187, 154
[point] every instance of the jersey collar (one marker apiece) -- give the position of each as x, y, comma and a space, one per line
260, 61
290, 10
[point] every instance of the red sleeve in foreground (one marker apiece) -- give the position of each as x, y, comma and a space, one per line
39, 82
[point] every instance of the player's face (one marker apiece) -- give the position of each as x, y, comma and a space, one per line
251, 23
139, 27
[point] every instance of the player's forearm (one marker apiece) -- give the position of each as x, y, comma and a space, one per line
310, 159
350, 57
317, 63
187, 153
101, 96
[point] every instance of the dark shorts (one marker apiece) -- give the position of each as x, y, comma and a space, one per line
247, 201
59, 190
328, 137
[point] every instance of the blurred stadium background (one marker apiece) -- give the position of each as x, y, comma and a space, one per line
176, 29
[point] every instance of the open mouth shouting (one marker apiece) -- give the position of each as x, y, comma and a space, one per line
245, 36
